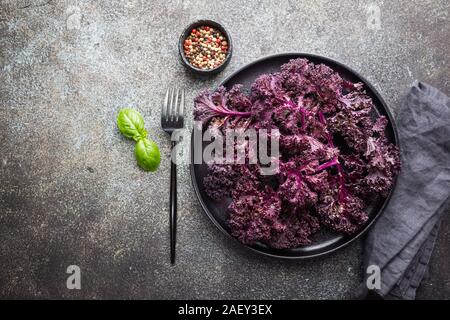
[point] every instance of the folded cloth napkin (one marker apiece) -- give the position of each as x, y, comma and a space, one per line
402, 240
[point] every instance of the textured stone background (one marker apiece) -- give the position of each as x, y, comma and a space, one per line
70, 191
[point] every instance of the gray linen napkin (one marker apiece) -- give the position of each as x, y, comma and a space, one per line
402, 240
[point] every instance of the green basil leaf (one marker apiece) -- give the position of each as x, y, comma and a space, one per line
131, 124
147, 154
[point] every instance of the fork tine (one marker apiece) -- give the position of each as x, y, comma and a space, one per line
165, 105
181, 110
176, 106
172, 102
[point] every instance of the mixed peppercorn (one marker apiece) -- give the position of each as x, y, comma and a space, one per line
205, 48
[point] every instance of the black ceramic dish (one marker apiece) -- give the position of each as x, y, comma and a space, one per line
325, 241
186, 33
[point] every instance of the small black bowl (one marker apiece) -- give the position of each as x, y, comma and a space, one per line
186, 33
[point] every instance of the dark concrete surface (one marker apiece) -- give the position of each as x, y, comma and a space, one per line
70, 191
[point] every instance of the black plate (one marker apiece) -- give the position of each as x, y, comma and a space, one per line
325, 241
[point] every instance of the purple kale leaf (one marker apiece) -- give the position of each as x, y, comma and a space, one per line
220, 180
335, 158
341, 211
383, 164
209, 105
294, 230
254, 216
296, 192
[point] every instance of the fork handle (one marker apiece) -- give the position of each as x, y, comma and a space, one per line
173, 207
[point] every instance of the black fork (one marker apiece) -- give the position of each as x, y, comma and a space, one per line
172, 118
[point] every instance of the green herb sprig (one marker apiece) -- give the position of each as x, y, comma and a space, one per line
131, 125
